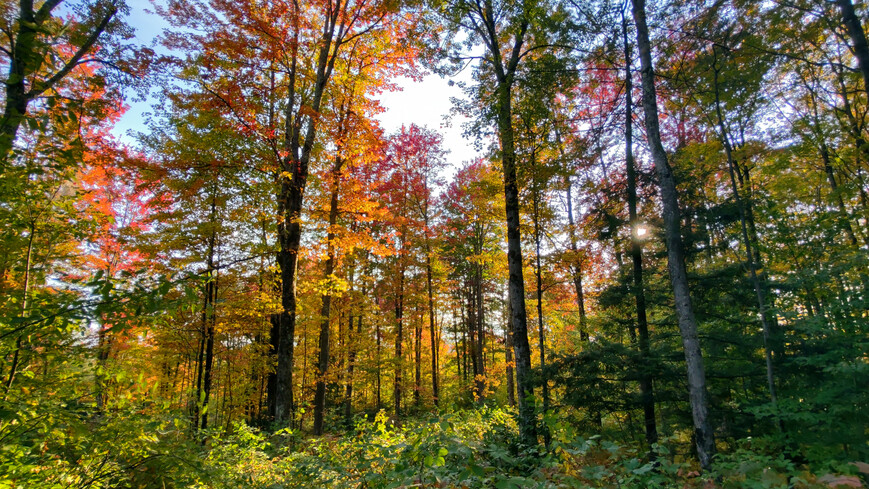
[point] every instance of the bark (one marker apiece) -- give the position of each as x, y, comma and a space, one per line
465, 349
511, 388
505, 71
325, 309
377, 357
352, 349
697, 394
647, 395
293, 180
576, 262
471, 327
458, 351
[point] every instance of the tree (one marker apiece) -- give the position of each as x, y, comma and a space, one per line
705, 440
44, 50
509, 32
296, 52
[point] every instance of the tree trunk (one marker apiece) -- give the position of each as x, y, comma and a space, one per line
208, 322
325, 309
858, 38
479, 324
352, 348
293, 180
575, 261
417, 354
541, 335
399, 339
431, 321
377, 357
508, 358
16, 356
471, 327
697, 394
749, 255
647, 395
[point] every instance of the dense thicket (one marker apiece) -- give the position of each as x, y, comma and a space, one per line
660, 260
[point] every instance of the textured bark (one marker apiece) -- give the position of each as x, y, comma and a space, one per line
377, 357
704, 436
473, 349
647, 395
351, 365
576, 266
480, 333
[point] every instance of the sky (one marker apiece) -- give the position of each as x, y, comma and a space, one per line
423, 103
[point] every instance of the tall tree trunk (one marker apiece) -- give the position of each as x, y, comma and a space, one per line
647, 395
377, 357
471, 328
516, 282
325, 309
16, 356
505, 72
399, 339
465, 355
575, 261
351, 359
293, 179
417, 354
749, 255
697, 394
431, 307
351, 350
479, 324
508, 358
208, 322
538, 274
431, 318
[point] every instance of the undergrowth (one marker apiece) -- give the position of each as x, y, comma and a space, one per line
468, 449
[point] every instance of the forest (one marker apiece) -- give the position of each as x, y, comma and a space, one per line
655, 275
